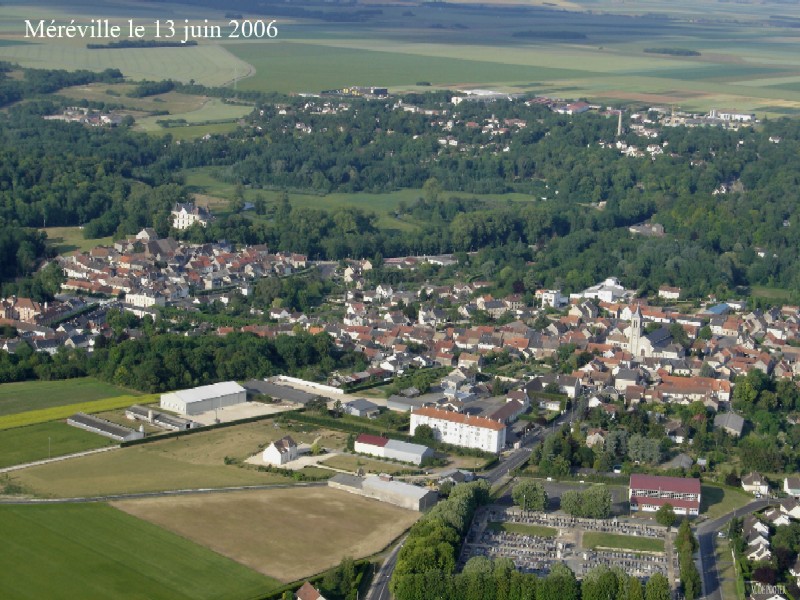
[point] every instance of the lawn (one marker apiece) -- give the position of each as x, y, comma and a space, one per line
187, 462
37, 442
69, 239
596, 539
522, 528
726, 572
348, 462
33, 395
55, 413
717, 501
92, 551
287, 534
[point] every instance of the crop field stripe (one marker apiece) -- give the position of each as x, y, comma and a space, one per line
62, 412
32, 395
95, 551
22, 445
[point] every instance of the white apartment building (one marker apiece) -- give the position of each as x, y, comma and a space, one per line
461, 430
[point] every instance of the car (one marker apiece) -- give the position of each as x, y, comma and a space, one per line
617, 469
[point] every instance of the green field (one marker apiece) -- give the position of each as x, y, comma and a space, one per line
37, 442
69, 239
347, 462
94, 551
34, 395
522, 528
54, 413
212, 110
596, 539
717, 501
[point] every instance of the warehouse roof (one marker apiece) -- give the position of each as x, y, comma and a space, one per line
206, 392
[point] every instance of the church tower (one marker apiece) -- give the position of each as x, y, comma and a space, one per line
635, 334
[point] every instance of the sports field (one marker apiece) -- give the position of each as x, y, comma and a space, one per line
37, 442
33, 395
187, 462
287, 534
93, 551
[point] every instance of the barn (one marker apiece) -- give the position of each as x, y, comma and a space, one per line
204, 398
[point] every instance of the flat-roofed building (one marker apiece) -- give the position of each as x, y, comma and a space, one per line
648, 493
460, 429
204, 398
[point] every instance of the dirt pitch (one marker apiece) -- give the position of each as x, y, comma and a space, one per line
287, 533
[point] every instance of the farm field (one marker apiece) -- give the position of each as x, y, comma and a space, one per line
69, 239
287, 534
210, 111
32, 395
187, 462
594, 539
95, 551
37, 442
54, 413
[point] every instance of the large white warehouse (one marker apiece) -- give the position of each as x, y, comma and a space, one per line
204, 398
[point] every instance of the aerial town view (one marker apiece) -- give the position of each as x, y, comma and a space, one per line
400, 300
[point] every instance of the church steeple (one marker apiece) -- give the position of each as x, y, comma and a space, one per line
635, 333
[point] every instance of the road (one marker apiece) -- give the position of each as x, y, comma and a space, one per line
380, 583
706, 534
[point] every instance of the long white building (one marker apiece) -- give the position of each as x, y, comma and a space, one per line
204, 398
461, 430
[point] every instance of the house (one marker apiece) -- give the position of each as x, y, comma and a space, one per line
362, 408
669, 293
731, 424
308, 592
648, 493
595, 437
791, 485
755, 484
281, 452
790, 508
186, 215
775, 517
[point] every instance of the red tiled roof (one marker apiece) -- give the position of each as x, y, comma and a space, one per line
372, 440
445, 415
684, 485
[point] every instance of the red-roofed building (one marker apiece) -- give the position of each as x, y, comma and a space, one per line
461, 430
648, 493
308, 592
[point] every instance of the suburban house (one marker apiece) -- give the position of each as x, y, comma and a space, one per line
308, 592
281, 452
791, 485
648, 493
362, 408
730, 423
755, 484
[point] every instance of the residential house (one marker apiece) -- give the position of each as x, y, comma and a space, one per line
362, 408
755, 483
308, 592
281, 452
730, 423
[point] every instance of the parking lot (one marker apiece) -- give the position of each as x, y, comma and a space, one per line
535, 554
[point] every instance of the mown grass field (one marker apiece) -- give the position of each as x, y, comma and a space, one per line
69, 239
522, 528
55, 413
287, 534
35, 395
37, 442
187, 462
94, 551
596, 539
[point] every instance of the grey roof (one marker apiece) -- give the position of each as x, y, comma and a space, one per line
205, 392
399, 446
361, 404
280, 392
107, 427
729, 421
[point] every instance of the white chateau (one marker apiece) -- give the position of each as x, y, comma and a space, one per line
461, 430
186, 215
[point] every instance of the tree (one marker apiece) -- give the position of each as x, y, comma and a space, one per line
657, 588
666, 515
424, 434
529, 495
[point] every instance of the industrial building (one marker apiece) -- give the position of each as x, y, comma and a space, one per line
648, 493
165, 421
375, 445
461, 430
386, 490
204, 398
103, 427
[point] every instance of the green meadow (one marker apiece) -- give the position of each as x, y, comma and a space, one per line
36, 395
94, 551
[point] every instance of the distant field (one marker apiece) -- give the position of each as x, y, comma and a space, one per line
594, 539
193, 461
173, 102
287, 534
95, 551
522, 528
212, 109
69, 239
34, 395
64, 411
37, 442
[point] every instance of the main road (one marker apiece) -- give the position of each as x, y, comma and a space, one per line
706, 533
